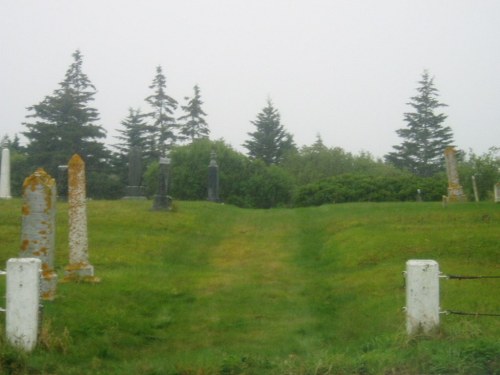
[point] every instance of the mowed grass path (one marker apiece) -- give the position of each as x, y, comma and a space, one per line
212, 288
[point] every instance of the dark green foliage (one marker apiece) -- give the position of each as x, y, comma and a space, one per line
318, 162
265, 186
133, 132
425, 137
486, 170
363, 188
193, 124
162, 131
270, 142
65, 124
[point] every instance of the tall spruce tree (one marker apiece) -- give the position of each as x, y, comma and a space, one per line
133, 133
193, 124
163, 130
270, 142
425, 137
65, 124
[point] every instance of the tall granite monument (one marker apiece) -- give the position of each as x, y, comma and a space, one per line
213, 178
134, 190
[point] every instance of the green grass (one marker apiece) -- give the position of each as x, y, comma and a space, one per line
213, 289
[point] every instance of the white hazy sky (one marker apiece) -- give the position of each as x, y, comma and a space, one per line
342, 68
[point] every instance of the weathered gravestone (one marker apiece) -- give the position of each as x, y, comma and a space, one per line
5, 174
455, 191
497, 192
162, 202
79, 267
213, 178
38, 227
134, 190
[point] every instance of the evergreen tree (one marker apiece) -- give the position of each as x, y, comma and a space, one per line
270, 142
425, 137
65, 124
163, 129
194, 126
133, 133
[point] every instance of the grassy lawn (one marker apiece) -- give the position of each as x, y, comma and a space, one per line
214, 289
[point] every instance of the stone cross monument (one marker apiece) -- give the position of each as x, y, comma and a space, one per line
5, 174
213, 179
38, 227
455, 191
79, 267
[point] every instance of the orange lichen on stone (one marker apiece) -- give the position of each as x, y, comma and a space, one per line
47, 272
76, 266
25, 210
76, 168
24, 245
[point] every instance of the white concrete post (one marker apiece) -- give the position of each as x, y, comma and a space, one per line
422, 296
5, 174
23, 302
497, 192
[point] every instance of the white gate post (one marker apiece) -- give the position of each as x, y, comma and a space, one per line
422, 296
23, 302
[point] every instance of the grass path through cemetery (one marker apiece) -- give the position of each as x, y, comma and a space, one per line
214, 289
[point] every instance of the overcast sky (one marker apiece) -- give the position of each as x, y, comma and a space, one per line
341, 69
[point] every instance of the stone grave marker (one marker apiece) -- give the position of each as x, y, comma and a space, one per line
213, 178
38, 227
5, 174
455, 191
79, 267
162, 202
134, 190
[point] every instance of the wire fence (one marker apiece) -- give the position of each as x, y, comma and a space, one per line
468, 277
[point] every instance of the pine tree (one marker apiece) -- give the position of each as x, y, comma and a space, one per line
425, 137
270, 142
133, 133
163, 129
66, 123
194, 125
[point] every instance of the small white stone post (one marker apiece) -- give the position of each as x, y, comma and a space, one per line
422, 296
23, 302
497, 192
5, 174
79, 267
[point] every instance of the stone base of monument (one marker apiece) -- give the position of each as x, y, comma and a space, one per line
456, 194
48, 285
134, 192
162, 203
80, 272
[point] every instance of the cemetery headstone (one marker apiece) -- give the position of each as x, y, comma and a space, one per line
62, 182
455, 191
497, 192
79, 267
162, 202
5, 174
38, 227
134, 190
213, 178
